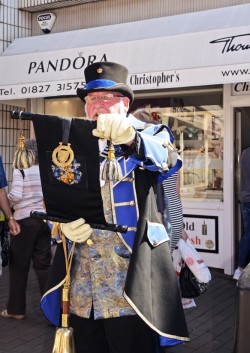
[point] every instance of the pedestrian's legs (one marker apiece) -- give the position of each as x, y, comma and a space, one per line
42, 253
244, 250
21, 247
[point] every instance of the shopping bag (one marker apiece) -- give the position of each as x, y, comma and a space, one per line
187, 303
189, 285
194, 261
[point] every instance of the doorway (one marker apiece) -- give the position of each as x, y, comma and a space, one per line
242, 140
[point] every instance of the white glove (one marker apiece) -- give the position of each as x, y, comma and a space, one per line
115, 127
172, 154
172, 158
77, 231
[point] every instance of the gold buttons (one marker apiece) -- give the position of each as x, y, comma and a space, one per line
131, 203
90, 242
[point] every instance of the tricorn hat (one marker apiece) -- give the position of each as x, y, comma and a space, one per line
106, 76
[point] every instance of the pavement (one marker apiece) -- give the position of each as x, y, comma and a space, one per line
211, 323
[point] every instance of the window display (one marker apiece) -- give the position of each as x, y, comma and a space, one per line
199, 138
198, 127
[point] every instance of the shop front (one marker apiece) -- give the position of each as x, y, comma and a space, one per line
184, 73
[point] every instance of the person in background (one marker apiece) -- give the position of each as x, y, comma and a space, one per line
32, 243
4, 203
171, 188
124, 292
244, 249
5, 212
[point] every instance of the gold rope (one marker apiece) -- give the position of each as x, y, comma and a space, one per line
66, 286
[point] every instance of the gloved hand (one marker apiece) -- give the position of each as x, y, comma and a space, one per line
115, 127
77, 231
172, 158
172, 154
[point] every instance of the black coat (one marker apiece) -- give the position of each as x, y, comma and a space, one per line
151, 286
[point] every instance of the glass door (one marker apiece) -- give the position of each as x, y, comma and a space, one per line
242, 140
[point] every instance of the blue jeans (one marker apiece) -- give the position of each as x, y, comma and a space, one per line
244, 250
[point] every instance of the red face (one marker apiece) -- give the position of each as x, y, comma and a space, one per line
105, 102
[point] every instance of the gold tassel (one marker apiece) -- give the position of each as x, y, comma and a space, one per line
111, 170
64, 338
64, 341
23, 158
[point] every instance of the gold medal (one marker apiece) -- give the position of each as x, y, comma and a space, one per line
63, 155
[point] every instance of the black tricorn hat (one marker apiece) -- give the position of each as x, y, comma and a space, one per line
106, 76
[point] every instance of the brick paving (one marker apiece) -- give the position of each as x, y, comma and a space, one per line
211, 323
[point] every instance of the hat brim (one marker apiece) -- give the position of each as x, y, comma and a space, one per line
120, 87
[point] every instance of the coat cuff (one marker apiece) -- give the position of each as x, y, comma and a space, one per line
156, 233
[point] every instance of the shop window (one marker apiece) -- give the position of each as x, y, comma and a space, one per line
66, 106
197, 124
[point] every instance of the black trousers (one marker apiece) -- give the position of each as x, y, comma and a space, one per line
33, 243
128, 334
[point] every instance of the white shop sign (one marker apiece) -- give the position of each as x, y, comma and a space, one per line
241, 89
192, 59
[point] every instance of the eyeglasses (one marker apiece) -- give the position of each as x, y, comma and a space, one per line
104, 99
